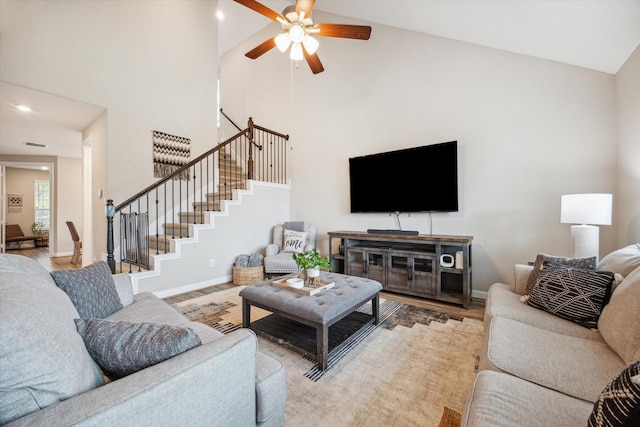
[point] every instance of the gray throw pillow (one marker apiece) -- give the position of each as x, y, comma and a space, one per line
121, 348
91, 289
583, 263
572, 293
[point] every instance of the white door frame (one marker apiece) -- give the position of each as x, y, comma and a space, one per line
87, 201
3, 209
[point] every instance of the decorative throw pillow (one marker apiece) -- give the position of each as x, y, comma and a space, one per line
572, 293
583, 263
619, 402
91, 289
294, 241
122, 348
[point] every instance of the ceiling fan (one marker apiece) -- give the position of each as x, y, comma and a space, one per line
298, 31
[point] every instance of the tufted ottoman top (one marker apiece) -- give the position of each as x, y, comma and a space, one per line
349, 293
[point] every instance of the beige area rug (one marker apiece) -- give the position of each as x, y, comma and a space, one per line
415, 369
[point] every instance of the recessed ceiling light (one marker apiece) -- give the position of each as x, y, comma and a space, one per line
24, 108
220, 15
35, 144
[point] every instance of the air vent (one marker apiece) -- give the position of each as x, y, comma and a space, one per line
35, 144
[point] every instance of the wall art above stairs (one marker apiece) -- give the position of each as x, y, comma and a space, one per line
170, 153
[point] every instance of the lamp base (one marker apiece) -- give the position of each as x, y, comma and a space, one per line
585, 241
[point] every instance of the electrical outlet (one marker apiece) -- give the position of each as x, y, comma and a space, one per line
212, 263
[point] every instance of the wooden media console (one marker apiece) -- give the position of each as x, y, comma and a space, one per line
407, 264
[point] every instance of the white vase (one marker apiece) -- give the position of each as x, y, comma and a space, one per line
313, 277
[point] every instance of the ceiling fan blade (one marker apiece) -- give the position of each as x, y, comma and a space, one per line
261, 9
361, 32
261, 49
306, 6
314, 62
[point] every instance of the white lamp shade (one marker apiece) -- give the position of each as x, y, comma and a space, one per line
283, 41
310, 44
593, 208
296, 52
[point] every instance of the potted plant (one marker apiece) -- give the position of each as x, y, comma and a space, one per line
42, 234
311, 262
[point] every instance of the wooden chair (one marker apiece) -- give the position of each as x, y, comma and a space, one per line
77, 244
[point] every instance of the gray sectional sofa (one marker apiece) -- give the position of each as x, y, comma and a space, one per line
539, 369
47, 376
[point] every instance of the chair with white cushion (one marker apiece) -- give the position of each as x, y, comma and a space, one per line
288, 238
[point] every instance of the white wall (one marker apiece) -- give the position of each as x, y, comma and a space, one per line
529, 130
69, 202
97, 133
152, 64
627, 205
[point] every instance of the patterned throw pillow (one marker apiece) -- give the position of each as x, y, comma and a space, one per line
91, 289
294, 241
572, 293
619, 402
122, 348
583, 263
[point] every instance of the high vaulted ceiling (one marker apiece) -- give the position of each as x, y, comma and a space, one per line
596, 34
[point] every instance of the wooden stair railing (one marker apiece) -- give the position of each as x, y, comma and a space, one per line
146, 219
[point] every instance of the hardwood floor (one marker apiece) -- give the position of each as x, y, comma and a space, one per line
50, 263
475, 311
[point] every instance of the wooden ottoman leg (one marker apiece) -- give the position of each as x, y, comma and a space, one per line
375, 306
322, 343
246, 313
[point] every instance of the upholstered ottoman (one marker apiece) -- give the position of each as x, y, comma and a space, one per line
319, 311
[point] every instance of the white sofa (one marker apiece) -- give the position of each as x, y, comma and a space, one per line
538, 369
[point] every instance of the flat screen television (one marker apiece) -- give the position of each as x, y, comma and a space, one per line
419, 179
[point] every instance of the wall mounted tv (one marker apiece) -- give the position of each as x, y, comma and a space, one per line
420, 179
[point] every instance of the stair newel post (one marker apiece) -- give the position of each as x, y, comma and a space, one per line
110, 212
250, 160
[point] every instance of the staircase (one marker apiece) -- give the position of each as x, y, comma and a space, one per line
158, 227
232, 178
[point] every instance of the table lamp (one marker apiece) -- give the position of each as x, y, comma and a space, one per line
588, 210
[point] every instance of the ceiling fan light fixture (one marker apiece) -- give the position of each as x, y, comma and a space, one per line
296, 52
296, 32
310, 44
283, 41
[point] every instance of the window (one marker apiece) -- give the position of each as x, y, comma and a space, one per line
42, 202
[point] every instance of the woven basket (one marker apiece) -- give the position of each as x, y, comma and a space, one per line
247, 275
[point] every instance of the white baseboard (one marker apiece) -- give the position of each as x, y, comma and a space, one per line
192, 287
479, 295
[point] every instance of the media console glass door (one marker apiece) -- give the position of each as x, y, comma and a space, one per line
367, 262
